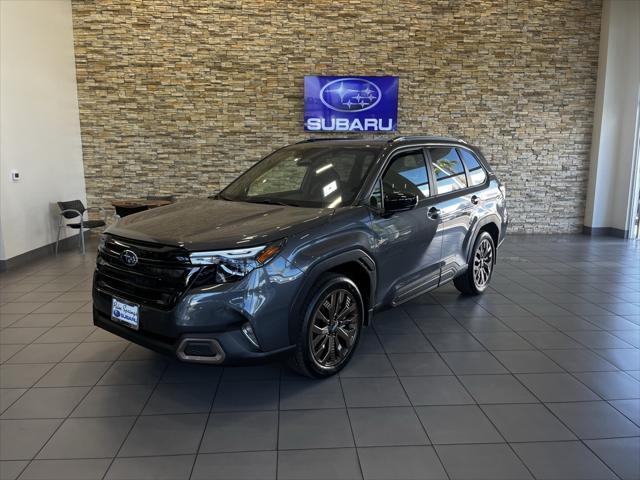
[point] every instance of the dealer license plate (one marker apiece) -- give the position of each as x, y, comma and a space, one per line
125, 313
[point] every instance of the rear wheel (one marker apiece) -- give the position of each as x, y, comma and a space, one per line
476, 279
330, 329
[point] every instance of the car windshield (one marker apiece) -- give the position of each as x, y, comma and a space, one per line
305, 175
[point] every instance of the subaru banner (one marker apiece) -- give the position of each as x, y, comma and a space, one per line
350, 104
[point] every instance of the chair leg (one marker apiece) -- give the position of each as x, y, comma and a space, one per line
82, 238
58, 239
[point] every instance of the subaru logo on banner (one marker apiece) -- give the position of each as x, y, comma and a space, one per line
350, 104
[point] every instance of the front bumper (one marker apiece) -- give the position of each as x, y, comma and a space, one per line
231, 347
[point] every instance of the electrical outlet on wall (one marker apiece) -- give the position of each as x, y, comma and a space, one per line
15, 175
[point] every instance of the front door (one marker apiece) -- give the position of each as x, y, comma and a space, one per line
407, 243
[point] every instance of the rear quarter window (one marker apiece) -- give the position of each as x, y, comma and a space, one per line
477, 173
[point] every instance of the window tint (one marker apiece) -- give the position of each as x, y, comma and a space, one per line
407, 174
477, 175
448, 169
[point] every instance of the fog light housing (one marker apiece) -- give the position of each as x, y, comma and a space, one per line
248, 332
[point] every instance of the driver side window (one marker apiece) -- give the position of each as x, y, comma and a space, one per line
407, 174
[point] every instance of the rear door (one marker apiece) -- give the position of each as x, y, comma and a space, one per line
407, 243
455, 207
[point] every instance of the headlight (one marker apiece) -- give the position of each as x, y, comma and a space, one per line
225, 266
102, 241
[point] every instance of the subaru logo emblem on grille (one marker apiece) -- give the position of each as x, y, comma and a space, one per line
350, 95
129, 258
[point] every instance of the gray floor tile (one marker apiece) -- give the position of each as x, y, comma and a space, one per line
454, 342
74, 374
556, 387
87, 438
418, 364
374, 392
550, 340
46, 403
96, 352
374, 427
258, 395
579, 360
311, 393
502, 341
164, 435
180, 398
270, 371
364, 365
629, 408
10, 469
482, 462
65, 335
458, 424
620, 454
410, 463
436, 390
236, 466
22, 439
22, 376
8, 396
623, 358
527, 361
496, 389
59, 307
369, 343
398, 343
309, 429
85, 469
469, 363
611, 385
562, 461
240, 431
113, 401
313, 465
21, 336
598, 339
174, 467
179, 372
42, 353
8, 351
527, 423
124, 372
527, 324
40, 320
594, 420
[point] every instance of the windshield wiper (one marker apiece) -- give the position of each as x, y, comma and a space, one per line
271, 201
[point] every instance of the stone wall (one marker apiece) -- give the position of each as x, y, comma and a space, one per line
180, 96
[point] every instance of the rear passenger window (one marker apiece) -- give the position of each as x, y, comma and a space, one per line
448, 169
477, 175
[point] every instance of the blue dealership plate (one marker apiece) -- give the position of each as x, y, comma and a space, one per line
125, 313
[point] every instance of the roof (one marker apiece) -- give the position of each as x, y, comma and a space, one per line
384, 140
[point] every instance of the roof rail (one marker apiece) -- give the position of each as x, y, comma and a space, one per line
326, 139
426, 137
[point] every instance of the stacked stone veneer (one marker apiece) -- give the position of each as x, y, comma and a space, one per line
180, 96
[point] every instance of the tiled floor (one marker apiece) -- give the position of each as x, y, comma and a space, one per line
540, 377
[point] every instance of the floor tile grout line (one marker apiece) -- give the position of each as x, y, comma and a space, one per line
353, 436
135, 421
206, 423
413, 408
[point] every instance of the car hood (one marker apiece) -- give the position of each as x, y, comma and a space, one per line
217, 224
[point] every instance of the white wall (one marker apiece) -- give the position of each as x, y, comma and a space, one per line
610, 176
39, 122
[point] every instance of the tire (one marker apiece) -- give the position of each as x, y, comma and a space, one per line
324, 348
476, 278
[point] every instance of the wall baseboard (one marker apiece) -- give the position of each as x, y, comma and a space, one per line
66, 244
605, 232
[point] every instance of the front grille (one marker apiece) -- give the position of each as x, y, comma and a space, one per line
158, 279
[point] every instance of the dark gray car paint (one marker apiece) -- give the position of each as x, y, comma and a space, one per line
407, 252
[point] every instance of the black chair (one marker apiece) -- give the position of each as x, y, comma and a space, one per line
74, 209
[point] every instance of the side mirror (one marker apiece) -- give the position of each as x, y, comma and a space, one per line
399, 202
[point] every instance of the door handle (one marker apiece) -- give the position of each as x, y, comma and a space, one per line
433, 213
475, 200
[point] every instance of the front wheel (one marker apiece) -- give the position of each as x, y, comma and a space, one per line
476, 279
330, 329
